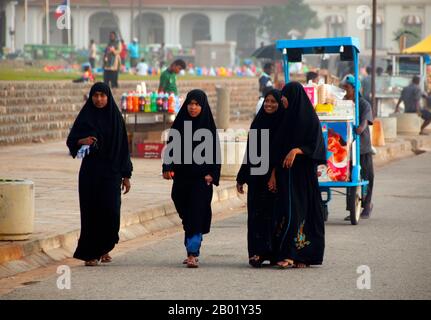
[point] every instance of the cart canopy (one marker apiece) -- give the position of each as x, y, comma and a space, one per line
296, 48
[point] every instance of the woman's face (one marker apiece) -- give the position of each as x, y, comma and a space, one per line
270, 105
100, 99
194, 108
285, 102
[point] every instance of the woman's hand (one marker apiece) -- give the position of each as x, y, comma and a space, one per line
87, 141
208, 179
125, 185
272, 183
240, 188
168, 175
290, 158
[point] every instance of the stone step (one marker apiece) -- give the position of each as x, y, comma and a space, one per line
29, 128
34, 137
46, 99
44, 108
38, 116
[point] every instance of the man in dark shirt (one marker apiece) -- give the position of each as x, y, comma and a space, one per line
411, 96
265, 82
366, 151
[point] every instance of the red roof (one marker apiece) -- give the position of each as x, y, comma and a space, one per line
158, 3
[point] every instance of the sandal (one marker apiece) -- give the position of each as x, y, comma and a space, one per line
286, 264
92, 263
192, 262
255, 261
106, 258
187, 259
300, 265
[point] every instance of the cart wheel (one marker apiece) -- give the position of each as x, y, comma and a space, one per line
325, 212
354, 200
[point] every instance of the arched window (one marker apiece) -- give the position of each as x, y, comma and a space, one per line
149, 28
379, 33
194, 27
101, 24
241, 28
335, 26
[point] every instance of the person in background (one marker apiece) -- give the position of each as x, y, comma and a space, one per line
411, 96
162, 55
123, 54
87, 76
168, 78
366, 152
312, 76
112, 61
134, 53
265, 82
366, 85
92, 52
142, 68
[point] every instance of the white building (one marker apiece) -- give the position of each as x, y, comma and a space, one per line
186, 21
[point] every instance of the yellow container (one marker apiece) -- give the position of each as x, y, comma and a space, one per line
325, 108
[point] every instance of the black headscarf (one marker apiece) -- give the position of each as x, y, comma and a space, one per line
264, 120
261, 121
204, 120
107, 125
300, 127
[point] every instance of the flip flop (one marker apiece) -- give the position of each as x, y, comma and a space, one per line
91, 263
192, 263
185, 260
286, 264
106, 258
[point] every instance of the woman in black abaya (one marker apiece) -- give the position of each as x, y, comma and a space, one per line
104, 171
260, 201
299, 148
192, 189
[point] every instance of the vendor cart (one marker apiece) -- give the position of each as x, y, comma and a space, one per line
348, 49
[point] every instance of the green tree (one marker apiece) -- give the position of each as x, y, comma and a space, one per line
277, 21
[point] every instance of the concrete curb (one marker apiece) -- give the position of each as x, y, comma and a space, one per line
21, 257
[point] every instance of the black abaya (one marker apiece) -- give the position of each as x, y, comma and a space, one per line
191, 194
260, 201
100, 175
299, 233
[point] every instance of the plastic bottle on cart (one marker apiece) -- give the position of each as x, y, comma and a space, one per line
153, 102
160, 102
135, 102
177, 104
171, 103
129, 102
165, 102
141, 102
124, 102
147, 103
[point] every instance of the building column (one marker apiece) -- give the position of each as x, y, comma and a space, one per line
10, 24
427, 20
392, 22
124, 24
217, 26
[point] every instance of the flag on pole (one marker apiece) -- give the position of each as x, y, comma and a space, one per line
61, 9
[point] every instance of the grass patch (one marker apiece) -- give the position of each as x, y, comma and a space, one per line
38, 74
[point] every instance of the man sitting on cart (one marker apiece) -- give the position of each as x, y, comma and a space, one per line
366, 152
